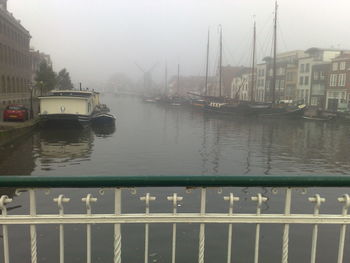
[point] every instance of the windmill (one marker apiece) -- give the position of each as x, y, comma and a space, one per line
147, 76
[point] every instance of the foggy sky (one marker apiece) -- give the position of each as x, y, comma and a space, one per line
94, 39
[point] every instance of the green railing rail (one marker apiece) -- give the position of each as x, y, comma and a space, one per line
173, 180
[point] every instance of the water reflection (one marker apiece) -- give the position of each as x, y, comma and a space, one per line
65, 144
260, 146
17, 158
154, 139
104, 130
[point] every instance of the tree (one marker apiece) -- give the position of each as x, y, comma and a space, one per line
45, 78
63, 80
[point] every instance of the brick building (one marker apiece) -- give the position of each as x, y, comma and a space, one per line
319, 82
338, 88
15, 60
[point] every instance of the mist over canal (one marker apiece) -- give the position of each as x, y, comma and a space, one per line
170, 140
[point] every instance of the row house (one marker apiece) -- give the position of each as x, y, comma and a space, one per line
313, 56
227, 74
286, 77
260, 82
338, 88
319, 82
291, 82
241, 85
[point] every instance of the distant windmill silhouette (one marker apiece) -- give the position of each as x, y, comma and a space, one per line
147, 76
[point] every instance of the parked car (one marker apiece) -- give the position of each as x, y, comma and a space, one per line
15, 112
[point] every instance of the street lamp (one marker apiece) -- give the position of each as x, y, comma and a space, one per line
31, 88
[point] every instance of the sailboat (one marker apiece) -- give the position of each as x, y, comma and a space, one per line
278, 109
214, 104
252, 108
202, 100
235, 106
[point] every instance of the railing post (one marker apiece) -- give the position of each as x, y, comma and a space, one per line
117, 229
287, 208
318, 201
259, 199
346, 200
174, 198
60, 200
32, 208
202, 227
231, 198
147, 200
3, 201
88, 200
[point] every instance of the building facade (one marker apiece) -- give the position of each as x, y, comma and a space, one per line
313, 57
286, 64
15, 60
338, 88
319, 82
291, 82
260, 84
241, 85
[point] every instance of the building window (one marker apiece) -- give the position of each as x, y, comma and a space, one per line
302, 68
341, 80
307, 67
316, 75
301, 80
306, 80
289, 77
322, 75
342, 65
335, 66
314, 101
333, 80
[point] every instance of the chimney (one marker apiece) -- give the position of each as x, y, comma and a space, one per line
3, 4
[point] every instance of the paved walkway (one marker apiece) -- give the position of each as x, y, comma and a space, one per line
7, 125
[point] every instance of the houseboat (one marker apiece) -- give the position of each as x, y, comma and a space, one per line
69, 106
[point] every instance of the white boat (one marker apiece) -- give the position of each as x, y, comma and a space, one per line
73, 106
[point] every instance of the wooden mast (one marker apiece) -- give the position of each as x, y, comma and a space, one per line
274, 56
253, 65
206, 68
178, 79
166, 79
220, 62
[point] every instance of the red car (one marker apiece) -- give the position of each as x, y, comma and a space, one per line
15, 112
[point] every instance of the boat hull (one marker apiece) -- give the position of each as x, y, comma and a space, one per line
263, 110
65, 119
102, 119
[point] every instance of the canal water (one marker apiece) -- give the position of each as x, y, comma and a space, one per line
152, 139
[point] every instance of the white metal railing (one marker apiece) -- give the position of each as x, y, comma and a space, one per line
118, 219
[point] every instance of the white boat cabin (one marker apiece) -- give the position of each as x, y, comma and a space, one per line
70, 102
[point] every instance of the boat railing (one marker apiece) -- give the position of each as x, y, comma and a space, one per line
174, 200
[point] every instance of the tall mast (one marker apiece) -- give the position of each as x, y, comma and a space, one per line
178, 79
274, 55
253, 65
220, 62
166, 79
206, 68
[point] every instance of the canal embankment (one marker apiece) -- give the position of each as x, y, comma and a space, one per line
10, 131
